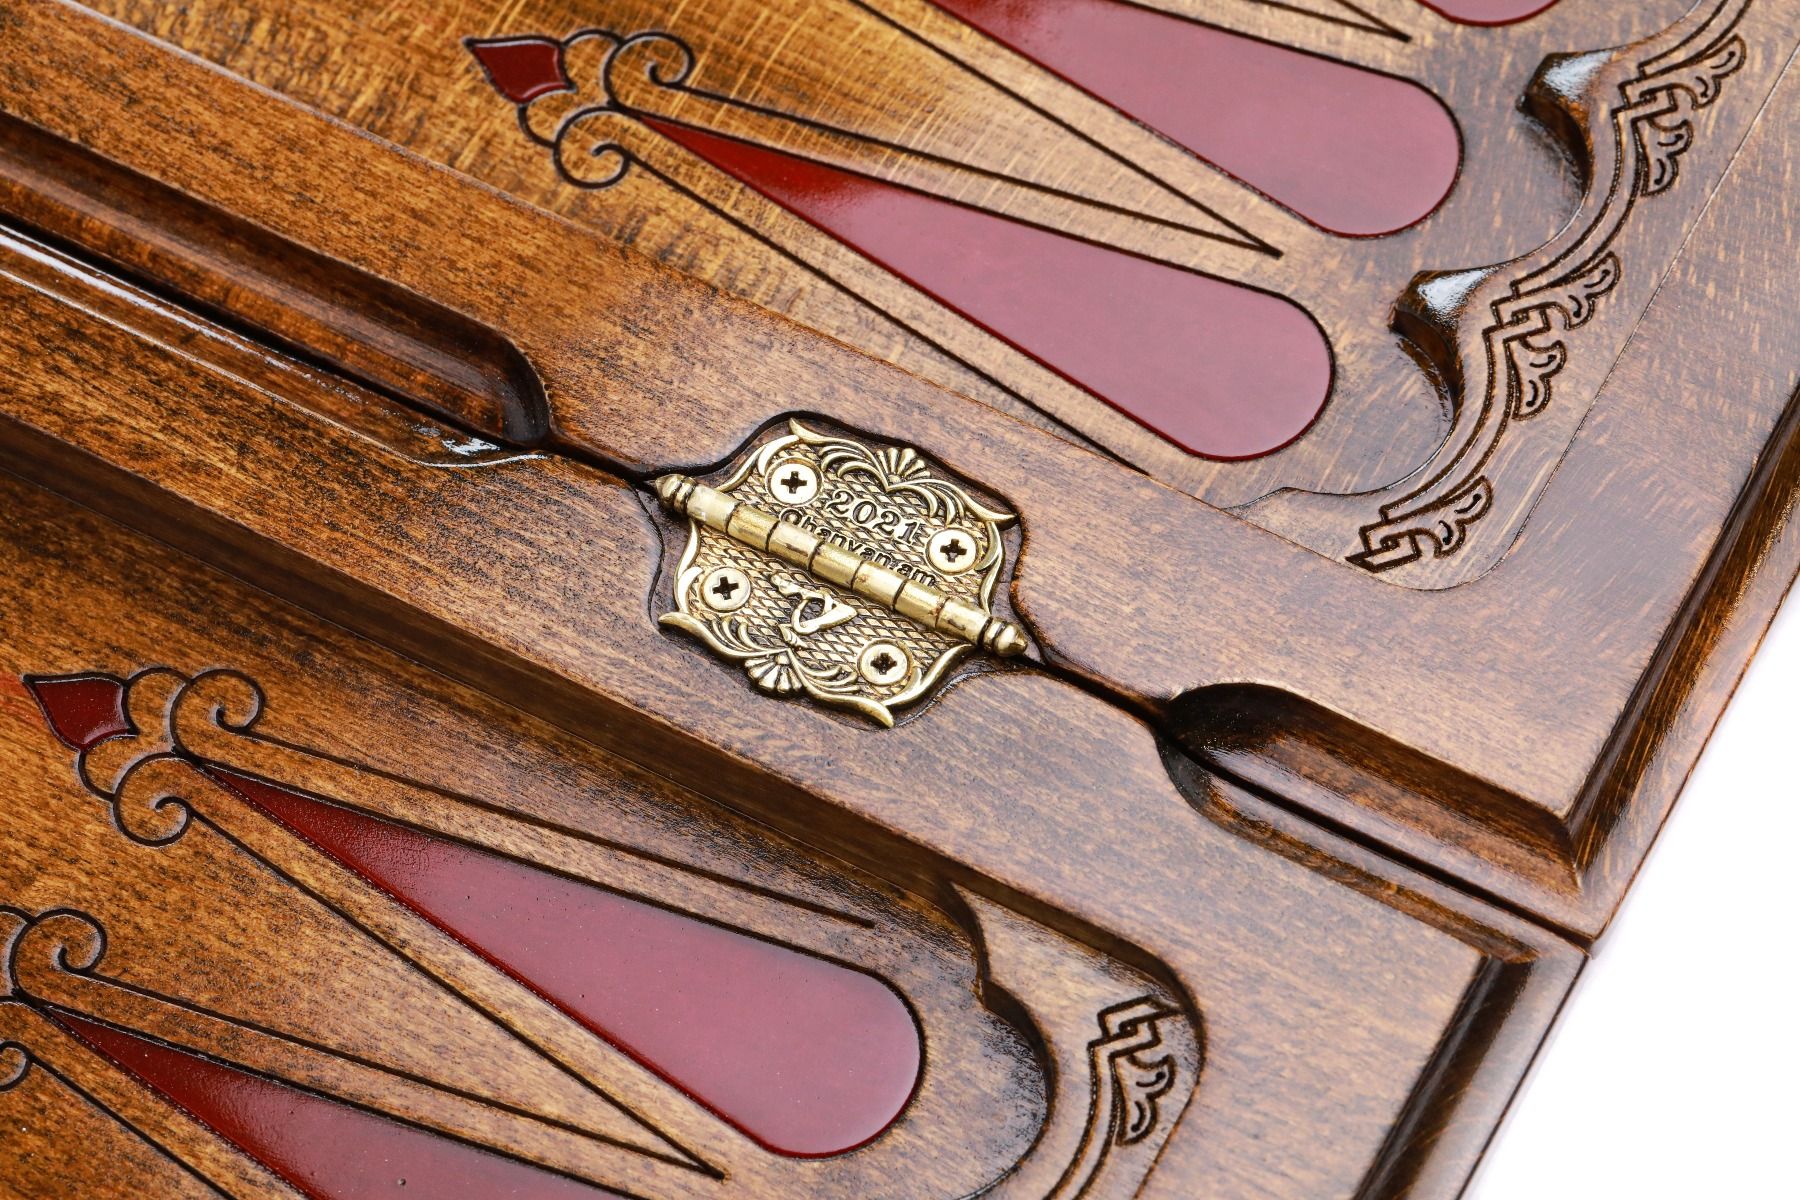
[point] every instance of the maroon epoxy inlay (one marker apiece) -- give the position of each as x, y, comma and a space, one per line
1219, 369
326, 1149
1489, 12
523, 68
806, 1056
81, 710
1352, 150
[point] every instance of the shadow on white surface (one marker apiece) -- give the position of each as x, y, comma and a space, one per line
1675, 1070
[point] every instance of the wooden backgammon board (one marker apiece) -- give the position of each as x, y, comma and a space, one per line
900, 599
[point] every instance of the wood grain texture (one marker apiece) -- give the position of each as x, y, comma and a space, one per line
915, 89
1381, 1082
331, 403
910, 78
1422, 719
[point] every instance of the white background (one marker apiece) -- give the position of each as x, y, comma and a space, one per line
1674, 1073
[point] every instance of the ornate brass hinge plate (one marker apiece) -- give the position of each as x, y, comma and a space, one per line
852, 575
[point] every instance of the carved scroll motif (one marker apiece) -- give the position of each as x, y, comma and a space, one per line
56, 941
197, 739
606, 103
1537, 304
15, 1055
1129, 1081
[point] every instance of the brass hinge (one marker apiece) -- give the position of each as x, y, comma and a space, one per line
855, 576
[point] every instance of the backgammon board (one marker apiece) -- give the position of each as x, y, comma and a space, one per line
900, 599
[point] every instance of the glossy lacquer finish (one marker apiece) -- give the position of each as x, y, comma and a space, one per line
806, 1056
1350, 149
326, 1149
1219, 369
523, 68
82, 710
1277, 863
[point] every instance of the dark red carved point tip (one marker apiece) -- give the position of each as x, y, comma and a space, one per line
81, 710
521, 68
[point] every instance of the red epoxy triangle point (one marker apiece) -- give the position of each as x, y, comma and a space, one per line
327, 1149
806, 1056
81, 710
1221, 370
1352, 150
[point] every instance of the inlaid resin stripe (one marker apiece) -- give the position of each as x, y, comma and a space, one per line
1221, 370
1349, 149
806, 1056
326, 1149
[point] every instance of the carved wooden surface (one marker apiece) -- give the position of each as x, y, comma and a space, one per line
1008, 136
360, 776
226, 686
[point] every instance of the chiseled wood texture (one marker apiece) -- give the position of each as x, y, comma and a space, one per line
1363, 1025
318, 315
1488, 729
912, 82
908, 77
